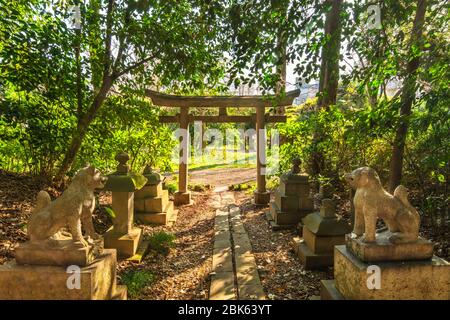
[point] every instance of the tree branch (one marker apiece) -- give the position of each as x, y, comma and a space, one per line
108, 38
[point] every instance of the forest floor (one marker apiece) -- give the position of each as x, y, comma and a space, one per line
185, 272
222, 176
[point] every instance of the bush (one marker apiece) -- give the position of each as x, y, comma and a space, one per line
137, 280
162, 242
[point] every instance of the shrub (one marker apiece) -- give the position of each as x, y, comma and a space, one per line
161, 242
137, 280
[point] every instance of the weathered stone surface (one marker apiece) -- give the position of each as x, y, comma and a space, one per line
295, 178
156, 204
222, 235
286, 217
242, 244
248, 277
321, 226
286, 203
328, 291
327, 209
149, 191
411, 280
182, 198
251, 292
322, 244
305, 203
72, 209
294, 189
371, 202
222, 286
123, 206
27, 282
313, 260
222, 260
125, 244
245, 262
384, 250
57, 253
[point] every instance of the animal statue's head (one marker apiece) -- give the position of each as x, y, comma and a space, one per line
362, 177
90, 177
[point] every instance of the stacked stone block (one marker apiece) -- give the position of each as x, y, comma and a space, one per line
321, 232
292, 200
152, 204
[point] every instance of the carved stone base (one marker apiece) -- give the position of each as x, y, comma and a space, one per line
406, 280
32, 282
261, 198
313, 260
182, 198
57, 253
126, 245
322, 244
286, 218
384, 250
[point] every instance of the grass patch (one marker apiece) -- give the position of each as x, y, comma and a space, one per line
199, 187
171, 186
136, 280
162, 242
240, 187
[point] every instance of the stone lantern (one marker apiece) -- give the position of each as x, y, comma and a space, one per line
123, 235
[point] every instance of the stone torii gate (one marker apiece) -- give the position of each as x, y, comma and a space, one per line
183, 118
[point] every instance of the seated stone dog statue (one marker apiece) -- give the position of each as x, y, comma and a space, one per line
72, 209
371, 201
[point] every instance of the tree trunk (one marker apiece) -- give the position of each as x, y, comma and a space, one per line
81, 130
407, 98
329, 75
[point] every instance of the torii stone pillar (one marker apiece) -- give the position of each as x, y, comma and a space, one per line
262, 197
183, 196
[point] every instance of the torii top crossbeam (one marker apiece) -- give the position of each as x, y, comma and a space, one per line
162, 99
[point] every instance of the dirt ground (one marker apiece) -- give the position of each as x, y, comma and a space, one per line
222, 177
281, 273
184, 273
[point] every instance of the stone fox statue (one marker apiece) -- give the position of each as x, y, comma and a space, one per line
372, 201
72, 209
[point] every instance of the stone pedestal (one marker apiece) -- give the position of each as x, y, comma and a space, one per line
152, 205
123, 235
413, 279
97, 280
292, 201
321, 232
182, 198
261, 198
57, 253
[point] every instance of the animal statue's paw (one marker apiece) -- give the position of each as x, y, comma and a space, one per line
401, 238
82, 241
94, 236
368, 239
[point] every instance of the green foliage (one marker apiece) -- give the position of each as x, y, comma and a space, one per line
171, 186
162, 242
136, 280
110, 212
199, 187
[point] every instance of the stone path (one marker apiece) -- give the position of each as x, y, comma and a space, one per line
234, 273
